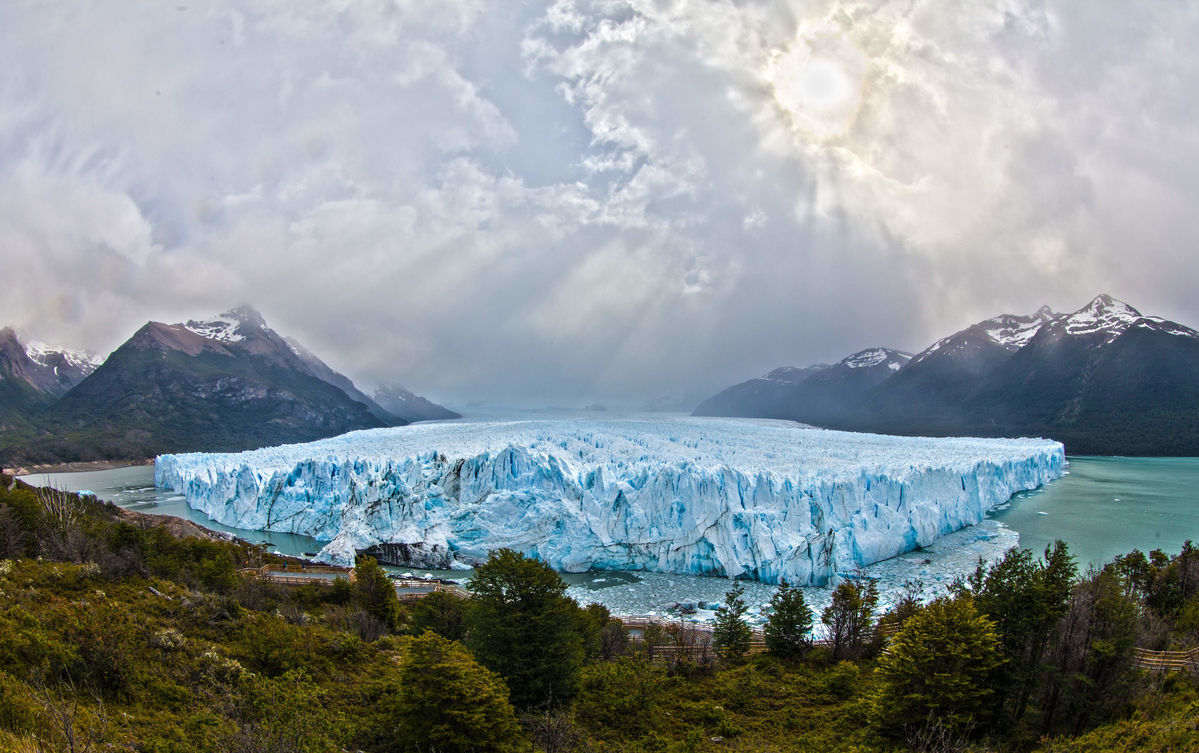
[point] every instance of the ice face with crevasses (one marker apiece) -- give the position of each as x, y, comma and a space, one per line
732, 497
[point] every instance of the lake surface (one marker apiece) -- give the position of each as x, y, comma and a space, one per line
1102, 508
1109, 506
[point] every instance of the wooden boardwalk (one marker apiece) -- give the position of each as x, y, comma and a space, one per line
294, 576
1168, 661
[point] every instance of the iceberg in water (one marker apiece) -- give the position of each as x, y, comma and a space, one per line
731, 497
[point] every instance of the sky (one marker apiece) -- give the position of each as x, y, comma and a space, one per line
546, 202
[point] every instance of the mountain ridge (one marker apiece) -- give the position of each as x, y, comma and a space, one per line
1104, 379
226, 383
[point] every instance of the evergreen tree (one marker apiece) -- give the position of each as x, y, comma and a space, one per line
938, 668
731, 636
850, 617
376, 593
1026, 598
442, 613
522, 626
446, 702
790, 621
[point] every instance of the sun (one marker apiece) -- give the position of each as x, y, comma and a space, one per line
818, 82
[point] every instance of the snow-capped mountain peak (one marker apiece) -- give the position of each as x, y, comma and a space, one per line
1165, 325
1103, 314
43, 355
1012, 331
865, 359
221, 328
224, 328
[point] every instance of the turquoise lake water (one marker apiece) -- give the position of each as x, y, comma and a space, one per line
1109, 506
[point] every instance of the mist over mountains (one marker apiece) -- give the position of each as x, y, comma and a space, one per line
1104, 380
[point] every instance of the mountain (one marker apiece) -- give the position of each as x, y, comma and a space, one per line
221, 384
320, 370
935, 382
1104, 380
758, 398
34, 375
829, 393
409, 407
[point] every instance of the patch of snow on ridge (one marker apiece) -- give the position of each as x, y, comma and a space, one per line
874, 356
757, 499
220, 328
1103, 314
84, 360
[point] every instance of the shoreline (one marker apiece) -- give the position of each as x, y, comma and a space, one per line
81, 467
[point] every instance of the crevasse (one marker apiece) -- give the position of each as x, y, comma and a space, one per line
759, 499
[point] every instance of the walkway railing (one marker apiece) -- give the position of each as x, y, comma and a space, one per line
1168, 661
324, 575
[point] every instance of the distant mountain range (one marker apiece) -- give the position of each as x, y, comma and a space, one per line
221, 384
1104, 380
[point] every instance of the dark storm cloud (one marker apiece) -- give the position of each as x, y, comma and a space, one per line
560, 201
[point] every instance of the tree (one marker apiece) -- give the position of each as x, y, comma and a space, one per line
523, 626
375, 592
1088, 673
790, 621
731, 636
1025, 598
446, 702
850, 616
937, 671
442, 613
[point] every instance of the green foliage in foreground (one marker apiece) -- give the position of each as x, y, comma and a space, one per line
131, 640
938, 669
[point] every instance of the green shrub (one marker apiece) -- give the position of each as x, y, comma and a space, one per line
939, 669
447, 702
620, 696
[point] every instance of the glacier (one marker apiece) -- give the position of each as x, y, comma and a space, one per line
757, 499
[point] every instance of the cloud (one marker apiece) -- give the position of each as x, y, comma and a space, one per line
576, 200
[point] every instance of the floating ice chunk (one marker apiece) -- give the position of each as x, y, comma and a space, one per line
754, 499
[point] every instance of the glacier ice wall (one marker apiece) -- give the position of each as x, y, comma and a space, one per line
738, 498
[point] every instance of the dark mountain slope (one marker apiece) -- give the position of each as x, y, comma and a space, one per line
932, 388
829, 394
763, 397
402, 403
1103, 380
34, 375
22, 386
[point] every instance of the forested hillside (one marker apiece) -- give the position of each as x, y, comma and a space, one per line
117, 635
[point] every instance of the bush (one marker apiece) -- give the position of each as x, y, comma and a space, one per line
620, 696
731, 636
445, 701
850, 617
375, 593
442, 613
939, 670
